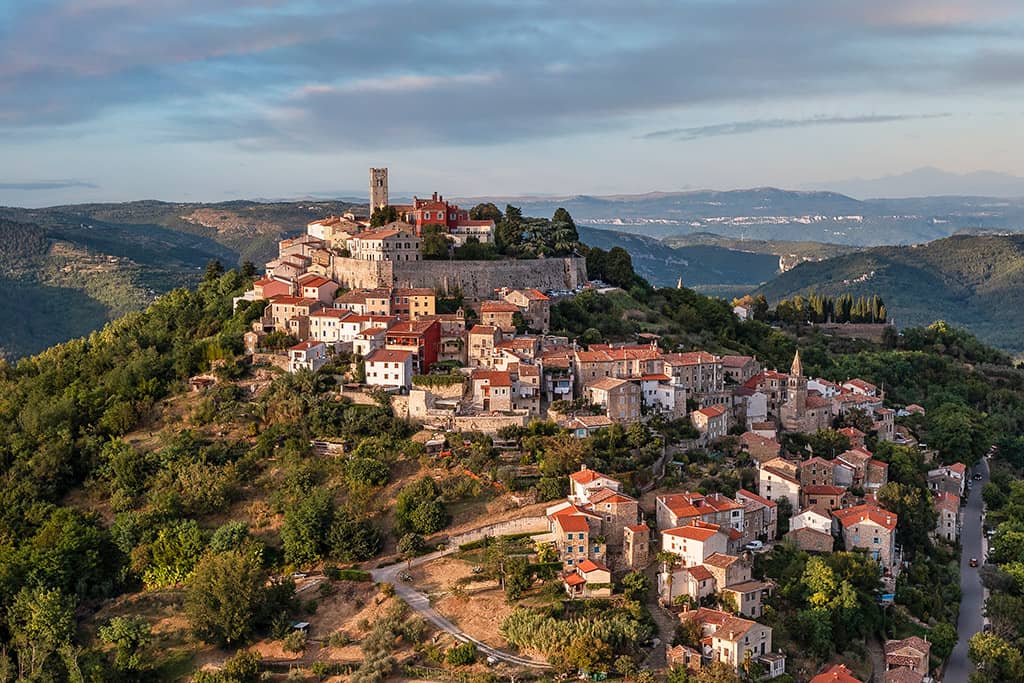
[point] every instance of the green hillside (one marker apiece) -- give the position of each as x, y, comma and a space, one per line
974, 281
699, 265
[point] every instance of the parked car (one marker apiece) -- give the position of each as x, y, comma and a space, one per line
754, 546
977, 476
974, 562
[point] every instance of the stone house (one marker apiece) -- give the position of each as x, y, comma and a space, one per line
911, 653
760, 516
392, 242
748, 597
682, 509
317, 287
637, 545
816, 471
761, 448
699, 371
825, 497
712, 422
535, 307
696, 582
731, 639
492, 390
617, 510
575, 534
482, 339
817, 518
811, 540
739, 369
413, 302
870, 528
947, 526
499, 314
619, 398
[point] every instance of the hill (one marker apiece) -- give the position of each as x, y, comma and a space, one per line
698, 264
66, 270
789, 253
974, 281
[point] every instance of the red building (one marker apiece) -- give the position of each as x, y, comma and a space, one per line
422, 337
435, 211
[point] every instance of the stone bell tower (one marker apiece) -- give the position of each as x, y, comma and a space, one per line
378, 188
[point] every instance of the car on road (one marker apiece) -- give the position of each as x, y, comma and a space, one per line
754, 546
977, 476
973, 562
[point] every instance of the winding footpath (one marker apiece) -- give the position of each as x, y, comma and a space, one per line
972, 594
420, 604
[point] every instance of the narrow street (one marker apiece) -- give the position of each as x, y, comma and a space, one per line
972, 600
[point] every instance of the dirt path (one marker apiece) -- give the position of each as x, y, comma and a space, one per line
421, 605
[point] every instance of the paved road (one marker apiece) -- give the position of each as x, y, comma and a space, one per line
972, 600
421, 605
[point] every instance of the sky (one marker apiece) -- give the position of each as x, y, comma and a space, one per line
207, 100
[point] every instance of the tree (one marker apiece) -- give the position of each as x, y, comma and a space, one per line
171, 558
517, 578
214, 269
434, 242
461, 655
129, 636
40, 621
418, 507
409, 546
224, 597
509, 232
485, 211
996, 659
625, 665
304, 531
668, 563
943, 637
383, 215
635, 585
353, 540
717, 672
366, 471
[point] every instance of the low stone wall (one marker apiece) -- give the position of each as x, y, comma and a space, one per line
536, 524
488, 424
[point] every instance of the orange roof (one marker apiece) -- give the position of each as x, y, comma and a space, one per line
305, 346
958, 467
587, 566
736, 361
483, 329
949, 502
835, 674
691, 358
311, 280
866, 512
498, 307
572, 522
743, 493
637, 528
574, 579
389, 356
700, 573
712, 411
824, 490
587, 475
692, 532
721, 560
292, 300
851, 432
496, 378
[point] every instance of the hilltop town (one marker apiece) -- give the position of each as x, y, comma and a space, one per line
485, 362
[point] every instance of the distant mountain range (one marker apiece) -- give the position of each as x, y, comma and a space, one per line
788, 215
929, 182
973, 281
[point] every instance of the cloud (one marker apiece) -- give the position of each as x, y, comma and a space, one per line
318, 75
34, 185
756, 125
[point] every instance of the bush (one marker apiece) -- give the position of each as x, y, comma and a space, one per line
295, 641
461, 655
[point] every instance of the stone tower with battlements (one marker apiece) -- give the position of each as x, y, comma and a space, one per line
378, 188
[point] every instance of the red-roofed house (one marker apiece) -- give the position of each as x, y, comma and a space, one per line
870, 528
389, 368
860, 387
576, 534
855, 436
308, 355
499, 314
837, 673
392, 242
712, 422
822, 495
681, 509
694, 543
588, 579
267, 287
422, 337
582, 483
492, 390
317, 287
739, 369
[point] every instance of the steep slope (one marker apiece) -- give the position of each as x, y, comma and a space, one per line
975, 281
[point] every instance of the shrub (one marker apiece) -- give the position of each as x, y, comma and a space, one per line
461, 655
295, 641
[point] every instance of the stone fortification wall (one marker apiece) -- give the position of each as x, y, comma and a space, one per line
477, 279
